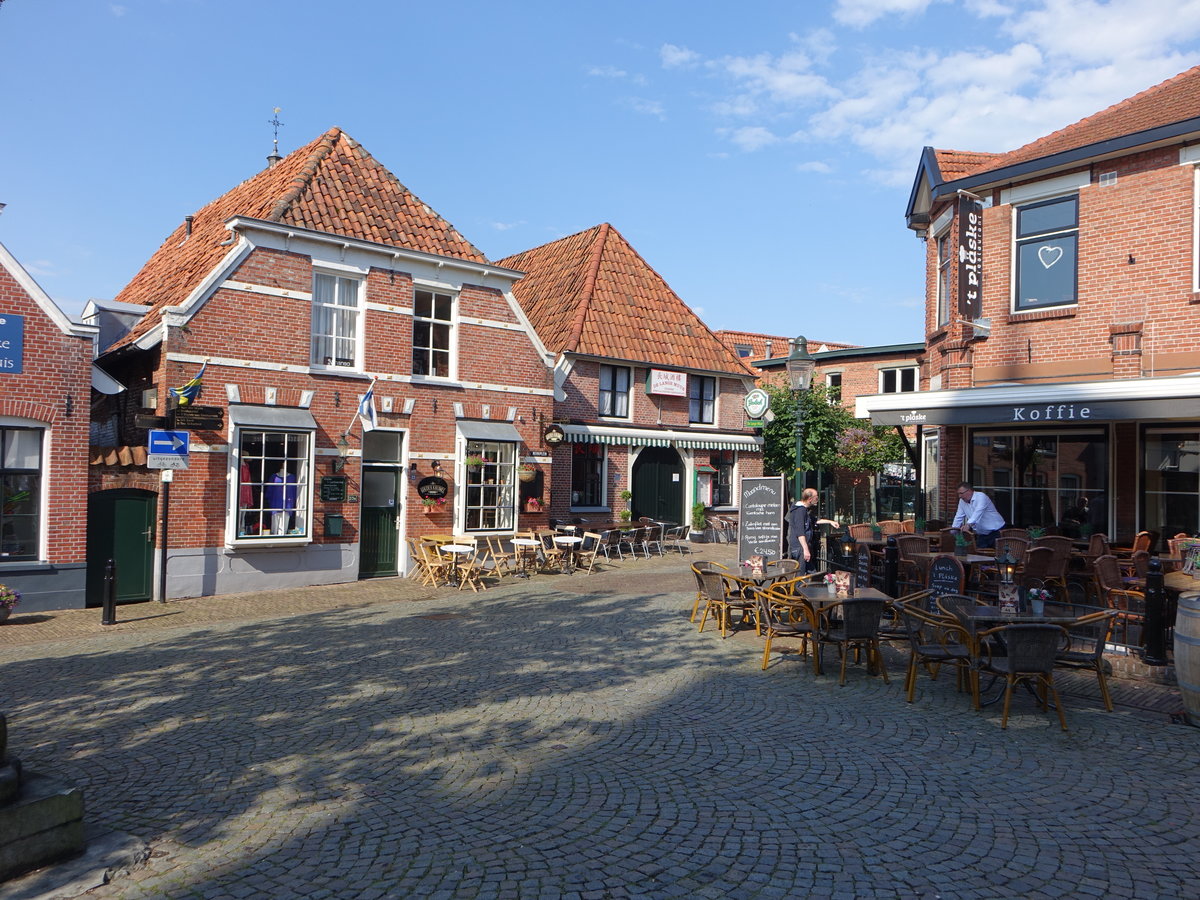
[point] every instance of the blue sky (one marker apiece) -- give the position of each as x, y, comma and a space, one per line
758, 155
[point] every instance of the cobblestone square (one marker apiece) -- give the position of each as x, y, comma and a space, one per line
573, 737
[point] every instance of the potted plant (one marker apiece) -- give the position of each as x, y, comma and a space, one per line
1036, 531
625, 515
474, 461
1038, 598
699, 524
960, 544
9, 598
432, 504
526, 472
533, 505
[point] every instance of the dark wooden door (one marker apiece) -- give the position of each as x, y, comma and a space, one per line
121, 526
658, 485
379, 541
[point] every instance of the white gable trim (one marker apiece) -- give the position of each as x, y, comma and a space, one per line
42, 299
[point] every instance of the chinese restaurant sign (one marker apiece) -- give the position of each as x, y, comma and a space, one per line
970, 257
760, 525
12, 344
667, 384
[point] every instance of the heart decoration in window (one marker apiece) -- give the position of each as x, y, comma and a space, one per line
1049, 255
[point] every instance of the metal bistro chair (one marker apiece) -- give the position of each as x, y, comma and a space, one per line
610, 543
1030, 651
935, 641
633, 539
677, 539
653, 540
859, 627
698, 569
1087, 637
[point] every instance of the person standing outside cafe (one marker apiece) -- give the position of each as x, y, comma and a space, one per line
977, 515
802, 529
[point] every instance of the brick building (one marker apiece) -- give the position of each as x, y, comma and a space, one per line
294, 293
649, 400
1064, 385
45, 384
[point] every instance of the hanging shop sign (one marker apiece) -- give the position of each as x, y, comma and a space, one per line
970, 257
432, 488
554, 434
1077, 413
12, 344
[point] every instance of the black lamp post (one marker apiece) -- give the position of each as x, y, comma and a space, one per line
800, 365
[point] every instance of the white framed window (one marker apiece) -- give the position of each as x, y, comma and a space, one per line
274, 486
702, 399
1046, 253
336, 321
489, 498
21, 517
614, 392
945, 267
898, 380
833, 387
433, 333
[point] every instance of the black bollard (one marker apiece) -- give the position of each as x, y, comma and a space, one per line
891, 568
109, 615
1155, 636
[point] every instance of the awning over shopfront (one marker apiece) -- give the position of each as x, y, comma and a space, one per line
648, 437
271, 416
1075, 403
488, 431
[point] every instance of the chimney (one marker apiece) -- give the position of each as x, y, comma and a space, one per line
272, 159
768, 349
187, 222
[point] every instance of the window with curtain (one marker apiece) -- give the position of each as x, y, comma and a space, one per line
490, 496
20, 493
614, 391
587, 475
335, 321
702, 398
432, 333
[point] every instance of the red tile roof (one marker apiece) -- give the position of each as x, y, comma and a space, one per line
954, 164
332, 185
1174, 100
592, 294
780, 346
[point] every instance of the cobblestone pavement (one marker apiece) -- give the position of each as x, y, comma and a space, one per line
574, 737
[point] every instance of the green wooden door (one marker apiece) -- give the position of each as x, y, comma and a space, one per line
379, 541
121, 528
658, 485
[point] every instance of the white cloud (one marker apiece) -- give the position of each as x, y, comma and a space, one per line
860, 13
1091, 33
646, 107
676, 57
751, 137
787, 78
506, 226
118, 10
814, 166
607, 72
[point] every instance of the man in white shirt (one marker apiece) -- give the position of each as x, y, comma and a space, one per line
977, 515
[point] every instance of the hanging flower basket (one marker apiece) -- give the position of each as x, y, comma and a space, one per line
526, 473
533, 505
474, 462
432, 504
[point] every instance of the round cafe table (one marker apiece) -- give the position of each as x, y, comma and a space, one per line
458, 550
526, 547
569, 544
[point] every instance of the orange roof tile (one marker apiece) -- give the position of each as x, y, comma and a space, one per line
954, 164
592, 294
331, 185
1171, 101
779, 346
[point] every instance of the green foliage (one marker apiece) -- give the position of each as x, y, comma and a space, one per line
699, 520
832, 436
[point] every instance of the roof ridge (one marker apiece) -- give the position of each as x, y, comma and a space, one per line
304, 176
589, 287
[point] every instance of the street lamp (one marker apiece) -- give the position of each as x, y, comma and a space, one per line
800, 367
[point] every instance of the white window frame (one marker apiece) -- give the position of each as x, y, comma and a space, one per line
944, 271
600, 391
344, 278
899, 370
1195, 227
495, 480
829, 376
304, 490
716, 394
43, 495
451, 325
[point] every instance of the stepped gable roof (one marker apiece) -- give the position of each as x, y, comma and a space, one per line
331, 185
1175, 100
592, 294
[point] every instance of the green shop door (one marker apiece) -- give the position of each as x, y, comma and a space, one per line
379, 531
121, 528
658, 485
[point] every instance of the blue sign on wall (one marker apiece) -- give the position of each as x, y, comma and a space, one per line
12, 344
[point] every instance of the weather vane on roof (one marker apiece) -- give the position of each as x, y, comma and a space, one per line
275, 122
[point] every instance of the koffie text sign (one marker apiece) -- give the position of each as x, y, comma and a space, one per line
1077, 413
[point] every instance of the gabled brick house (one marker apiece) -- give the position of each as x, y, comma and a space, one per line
296, 291
648, 398
45, 384
1066, 386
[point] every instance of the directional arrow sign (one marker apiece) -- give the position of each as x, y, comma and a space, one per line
167, 449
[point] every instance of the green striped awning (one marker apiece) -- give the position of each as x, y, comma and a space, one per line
634, 437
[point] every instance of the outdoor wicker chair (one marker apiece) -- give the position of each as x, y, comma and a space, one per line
1030, 650
857, 628
1087, 637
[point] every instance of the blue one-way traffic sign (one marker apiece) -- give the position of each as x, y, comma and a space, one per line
167, 449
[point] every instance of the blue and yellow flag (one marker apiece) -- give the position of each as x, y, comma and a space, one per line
190, 391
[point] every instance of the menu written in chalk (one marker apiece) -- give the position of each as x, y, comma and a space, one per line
945, 577
862, 570
760, 523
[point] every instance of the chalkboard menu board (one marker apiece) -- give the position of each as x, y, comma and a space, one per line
760, 525
333, 488
862, 567
945, 577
